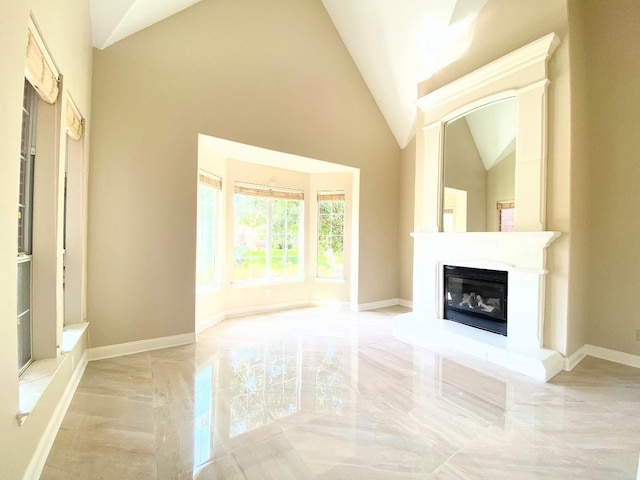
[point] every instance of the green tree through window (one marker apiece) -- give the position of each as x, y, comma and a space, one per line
267, 234
331, 208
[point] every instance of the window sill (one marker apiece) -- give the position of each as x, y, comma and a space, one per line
37, 377
71, 334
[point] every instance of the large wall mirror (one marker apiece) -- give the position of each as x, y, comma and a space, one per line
479, 162
481, 153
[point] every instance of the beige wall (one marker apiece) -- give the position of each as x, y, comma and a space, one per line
272, 74
578, 300
407, 202
613, 112
500, 188
463, 170
65, 27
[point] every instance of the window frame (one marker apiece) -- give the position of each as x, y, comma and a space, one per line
503, 206
331, 196
25, 222
207, 180
270, 194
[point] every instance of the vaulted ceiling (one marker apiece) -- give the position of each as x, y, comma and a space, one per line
395, 48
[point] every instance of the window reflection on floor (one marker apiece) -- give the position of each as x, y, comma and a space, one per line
329, 378
265, 384
203, 415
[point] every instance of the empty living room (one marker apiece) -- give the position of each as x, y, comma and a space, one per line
319, 239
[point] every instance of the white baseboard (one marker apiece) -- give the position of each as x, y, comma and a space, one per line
36, 465
209, 322
109, 351
240, 312
613, 355
602, 353
575, 358
363, 307
405, 303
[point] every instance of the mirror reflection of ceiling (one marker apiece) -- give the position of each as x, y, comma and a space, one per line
494, 129
394, 48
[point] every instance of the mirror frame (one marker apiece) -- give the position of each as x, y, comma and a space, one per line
447, 155
522, 75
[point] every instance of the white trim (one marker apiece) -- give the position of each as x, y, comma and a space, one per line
451, 337
363, 307
575, 358
39, 458
33, 28
240, 312
333, 305
71, 334
128, 348
405, 303
209, 322
613, 355
535, 52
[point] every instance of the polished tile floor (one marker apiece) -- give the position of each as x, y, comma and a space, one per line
323, 394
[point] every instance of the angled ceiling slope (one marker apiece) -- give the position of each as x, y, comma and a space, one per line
395, 48
113, 20
397, 45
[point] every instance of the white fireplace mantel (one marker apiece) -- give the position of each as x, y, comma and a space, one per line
522, 75
523, 256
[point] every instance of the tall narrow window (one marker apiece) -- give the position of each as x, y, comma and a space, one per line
25, 226
209, 187
267, 232
331, 234
506, 216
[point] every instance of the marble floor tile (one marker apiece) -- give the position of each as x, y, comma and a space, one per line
325, 394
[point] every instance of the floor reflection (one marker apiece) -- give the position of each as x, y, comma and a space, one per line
329, 379
203, 417
314, 395
265, 384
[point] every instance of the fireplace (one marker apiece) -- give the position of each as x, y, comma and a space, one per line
520, 257
476, 297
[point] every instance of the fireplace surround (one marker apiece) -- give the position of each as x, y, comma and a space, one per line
520, 254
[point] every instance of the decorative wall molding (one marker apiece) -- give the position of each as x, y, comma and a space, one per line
521, 75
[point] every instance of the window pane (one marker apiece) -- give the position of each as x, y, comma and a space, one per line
207, 218
267, 238
25, 226
507, 219
285, 238
331, 239
250, 237
24, 313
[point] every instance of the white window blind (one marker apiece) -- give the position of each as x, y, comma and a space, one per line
209, 179
267, 191
331, 196
39, 68
73, 120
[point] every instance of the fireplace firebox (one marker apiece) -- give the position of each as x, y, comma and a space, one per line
476, 297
